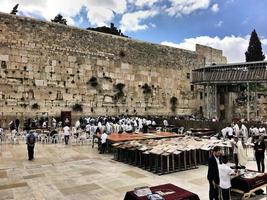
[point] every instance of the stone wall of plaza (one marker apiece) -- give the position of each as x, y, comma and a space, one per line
212, 56
50, 65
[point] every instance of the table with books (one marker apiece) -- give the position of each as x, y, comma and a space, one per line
167, 191
248, 182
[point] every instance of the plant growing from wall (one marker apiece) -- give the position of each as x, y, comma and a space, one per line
147, 89
35, 106
119, 91
173, 102
77, 107
93, 81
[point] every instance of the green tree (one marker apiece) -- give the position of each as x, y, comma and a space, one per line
110, 30
254, 52
59, 19
15, 9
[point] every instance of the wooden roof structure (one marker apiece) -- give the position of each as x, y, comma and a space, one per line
233, 73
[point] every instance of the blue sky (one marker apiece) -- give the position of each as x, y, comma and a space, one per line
223, 24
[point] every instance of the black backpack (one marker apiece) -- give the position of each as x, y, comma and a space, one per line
31, 139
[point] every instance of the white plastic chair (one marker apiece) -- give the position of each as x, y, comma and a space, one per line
55, 138
43, 138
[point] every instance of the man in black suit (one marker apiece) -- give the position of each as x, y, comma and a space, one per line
213, 173
259, 147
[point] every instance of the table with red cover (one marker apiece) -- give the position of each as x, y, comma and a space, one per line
248, 184
180, 194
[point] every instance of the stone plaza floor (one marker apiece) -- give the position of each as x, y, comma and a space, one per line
79, 172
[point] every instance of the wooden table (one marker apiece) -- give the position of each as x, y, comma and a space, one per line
177, 193
116, 137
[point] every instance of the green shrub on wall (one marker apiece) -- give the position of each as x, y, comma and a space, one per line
173, 102
35, 106
92, 81
119, 91
77, 107
146, 89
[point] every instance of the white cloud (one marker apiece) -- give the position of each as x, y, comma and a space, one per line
233, 47
142, 3
70, 21
264, 41
219, 24
152, 25
100, 12
215, 8
80, 20
185, 7
132, 21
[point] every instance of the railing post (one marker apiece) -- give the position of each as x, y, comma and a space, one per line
248, 102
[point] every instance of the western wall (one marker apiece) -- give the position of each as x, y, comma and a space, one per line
48, 68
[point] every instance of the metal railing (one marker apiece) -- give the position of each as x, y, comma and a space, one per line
231, 73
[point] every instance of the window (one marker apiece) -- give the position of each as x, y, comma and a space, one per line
201, 95
192, 88
3, 65
188, 75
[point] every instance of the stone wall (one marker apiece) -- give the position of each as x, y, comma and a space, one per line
50, 65
212, 56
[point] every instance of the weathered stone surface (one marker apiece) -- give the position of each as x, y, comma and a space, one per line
58, 71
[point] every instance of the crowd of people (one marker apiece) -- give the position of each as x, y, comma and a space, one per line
219, 173
102, 126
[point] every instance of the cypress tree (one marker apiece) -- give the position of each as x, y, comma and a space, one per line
254, 52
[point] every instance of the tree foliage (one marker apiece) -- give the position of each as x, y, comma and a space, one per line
110, 30
15, 9
77, 107
119, 91
254, 51
59, 19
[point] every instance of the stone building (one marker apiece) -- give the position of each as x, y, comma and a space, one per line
48, 68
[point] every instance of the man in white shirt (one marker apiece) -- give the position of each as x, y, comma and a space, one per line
236, 130
230, 132
244, 132
87, 128
225, 173
66, 132
104, 137
224, 132
262, 130
128, 128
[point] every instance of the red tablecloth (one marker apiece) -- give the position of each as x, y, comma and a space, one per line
180, 194
245, 184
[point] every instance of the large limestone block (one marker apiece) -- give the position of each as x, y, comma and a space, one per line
4, 57
24, 59
125, 66
72, 58
54, 62
40, 83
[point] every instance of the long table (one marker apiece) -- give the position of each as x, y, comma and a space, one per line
247, 186
176, 193
116, 137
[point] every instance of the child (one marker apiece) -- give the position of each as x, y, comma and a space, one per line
225, 173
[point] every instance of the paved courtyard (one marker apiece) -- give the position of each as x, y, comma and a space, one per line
79, 172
